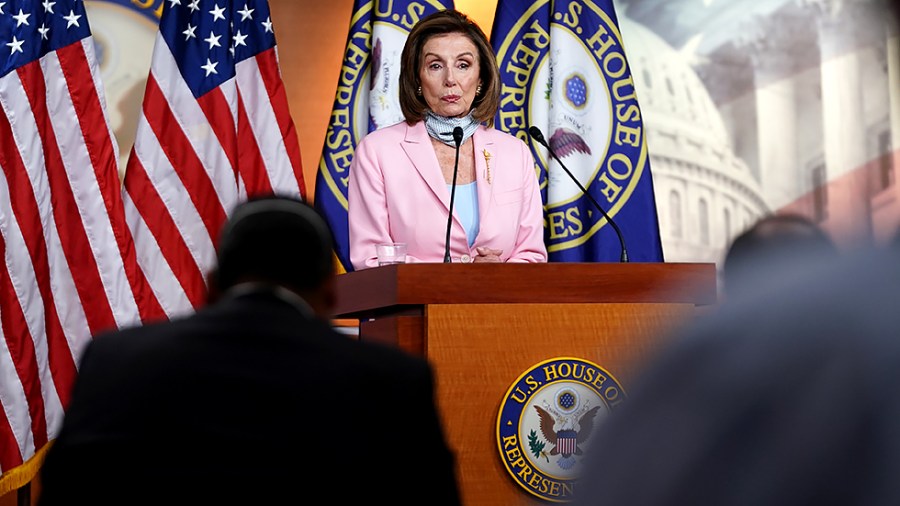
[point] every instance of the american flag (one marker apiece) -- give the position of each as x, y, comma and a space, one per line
214, 128
68, 267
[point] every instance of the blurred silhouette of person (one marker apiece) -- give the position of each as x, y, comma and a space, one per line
785, 396
769, 239
255, 398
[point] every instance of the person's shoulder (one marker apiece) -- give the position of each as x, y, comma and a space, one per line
131, 335
114, 352
498, 135
388, 133
157, 339
134, 339
501, 138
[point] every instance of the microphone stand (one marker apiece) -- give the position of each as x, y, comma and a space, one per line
457, 138
537, 135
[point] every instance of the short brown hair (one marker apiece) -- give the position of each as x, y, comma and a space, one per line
441, 23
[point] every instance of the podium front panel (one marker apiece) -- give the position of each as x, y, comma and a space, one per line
479, 350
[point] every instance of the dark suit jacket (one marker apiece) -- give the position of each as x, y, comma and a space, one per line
248, 402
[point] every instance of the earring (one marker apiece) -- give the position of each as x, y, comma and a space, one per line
419, 91
478, 90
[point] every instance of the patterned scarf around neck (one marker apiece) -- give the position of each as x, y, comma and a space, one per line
441, 128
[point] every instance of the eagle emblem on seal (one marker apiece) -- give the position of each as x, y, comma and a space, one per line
566, 432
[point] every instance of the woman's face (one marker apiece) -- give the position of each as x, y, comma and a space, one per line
449, 74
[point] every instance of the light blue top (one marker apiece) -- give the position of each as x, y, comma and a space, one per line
465, 205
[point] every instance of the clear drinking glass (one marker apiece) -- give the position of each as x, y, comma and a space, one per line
391, 253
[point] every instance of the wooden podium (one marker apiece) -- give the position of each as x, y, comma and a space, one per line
483, 325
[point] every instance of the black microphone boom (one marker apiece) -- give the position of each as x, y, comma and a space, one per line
457, 138
536, 134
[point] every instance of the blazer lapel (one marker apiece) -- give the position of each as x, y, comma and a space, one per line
417, 146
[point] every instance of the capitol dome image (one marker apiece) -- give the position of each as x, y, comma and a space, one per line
752, 108
705, 194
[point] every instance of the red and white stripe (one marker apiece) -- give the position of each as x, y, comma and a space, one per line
69, 268
194, 159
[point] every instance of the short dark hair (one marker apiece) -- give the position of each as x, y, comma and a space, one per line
440, 23
275, 239
774, 238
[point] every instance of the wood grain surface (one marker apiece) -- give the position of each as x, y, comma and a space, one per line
480, 350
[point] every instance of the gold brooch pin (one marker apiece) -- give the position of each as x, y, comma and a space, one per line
487, 163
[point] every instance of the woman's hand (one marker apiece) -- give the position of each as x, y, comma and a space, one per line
487, 255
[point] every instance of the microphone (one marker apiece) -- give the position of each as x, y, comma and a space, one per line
457, 138
536, 134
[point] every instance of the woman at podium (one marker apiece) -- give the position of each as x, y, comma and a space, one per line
444, 181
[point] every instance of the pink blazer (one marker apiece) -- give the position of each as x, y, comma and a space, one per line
397, 194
